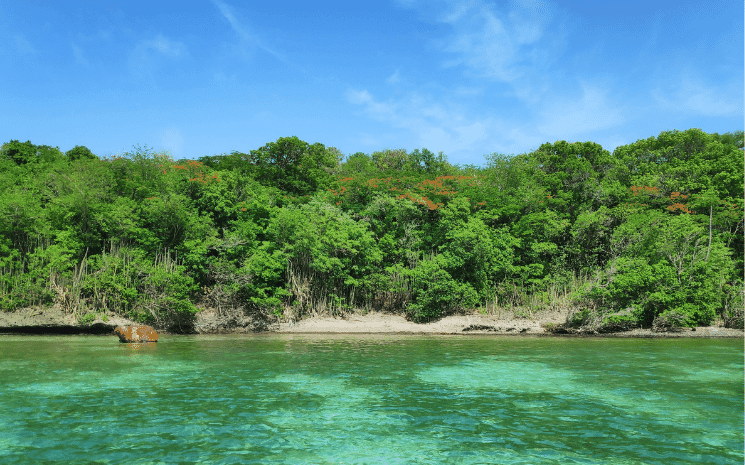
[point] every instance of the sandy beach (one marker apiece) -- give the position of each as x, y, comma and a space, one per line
375, 322
473, 324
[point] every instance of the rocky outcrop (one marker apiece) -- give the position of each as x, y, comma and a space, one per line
139, 333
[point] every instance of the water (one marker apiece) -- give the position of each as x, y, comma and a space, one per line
371, 399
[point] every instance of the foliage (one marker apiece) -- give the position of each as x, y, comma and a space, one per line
436, 293
654, 231
670, 320
79, 152
294, 166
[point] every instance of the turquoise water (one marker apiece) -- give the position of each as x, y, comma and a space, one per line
371, 399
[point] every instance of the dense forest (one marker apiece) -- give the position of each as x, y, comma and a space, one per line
649, 234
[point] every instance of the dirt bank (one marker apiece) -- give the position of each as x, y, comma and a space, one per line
472, 324
374, 322
54, 320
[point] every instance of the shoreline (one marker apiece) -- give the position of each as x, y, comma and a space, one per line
38, 321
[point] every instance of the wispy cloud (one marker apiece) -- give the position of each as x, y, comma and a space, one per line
502, 44
567, 117
244, 32
498, 45
395, 78
149, 52
23, 46
85, 45
442, 126
692, 94
165, 46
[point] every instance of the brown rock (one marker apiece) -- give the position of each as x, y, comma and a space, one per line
140, 333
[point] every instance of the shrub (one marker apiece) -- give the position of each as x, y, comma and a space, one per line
87, 319
618, 322
671, 320
599, 321
578, 319
435, 293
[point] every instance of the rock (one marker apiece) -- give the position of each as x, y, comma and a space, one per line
479, 328
140, 333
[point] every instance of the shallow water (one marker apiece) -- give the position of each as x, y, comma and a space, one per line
371, 399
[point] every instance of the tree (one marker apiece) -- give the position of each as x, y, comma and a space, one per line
663, 263
329, 255
79, 152
295, 166
20, 152
732, 138
573, 173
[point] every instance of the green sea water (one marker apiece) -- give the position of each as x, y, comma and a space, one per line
370, 399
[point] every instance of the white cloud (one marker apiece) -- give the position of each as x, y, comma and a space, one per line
695, 96
358, 97
501, 45
521, 86
86, 44
483, 43
565, 117
382, 111
165, 46
394, 78
529, 19
445, 125
435, 125
149, 52
244, 32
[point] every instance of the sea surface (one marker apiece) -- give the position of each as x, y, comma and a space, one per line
370, 399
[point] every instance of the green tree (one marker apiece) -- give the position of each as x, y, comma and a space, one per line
663, 264
329, 255
79, 152
20, 152
471, 252
572, 172
295, 166
435, 293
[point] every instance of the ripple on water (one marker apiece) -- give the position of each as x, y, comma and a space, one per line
509, 377
132, 376
245, 409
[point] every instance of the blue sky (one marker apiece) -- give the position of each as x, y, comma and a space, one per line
467, 78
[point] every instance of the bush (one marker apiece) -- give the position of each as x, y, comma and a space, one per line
618, 322
599, 321
578, 319
87, 319
435, 293
156, 292
672, 320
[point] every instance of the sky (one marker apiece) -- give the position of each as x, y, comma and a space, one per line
468, 78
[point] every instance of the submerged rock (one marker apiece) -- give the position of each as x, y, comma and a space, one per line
139, 333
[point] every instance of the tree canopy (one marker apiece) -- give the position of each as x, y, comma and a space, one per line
653, 230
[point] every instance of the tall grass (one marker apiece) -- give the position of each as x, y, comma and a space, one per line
315, 292
120, 280
513, 299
